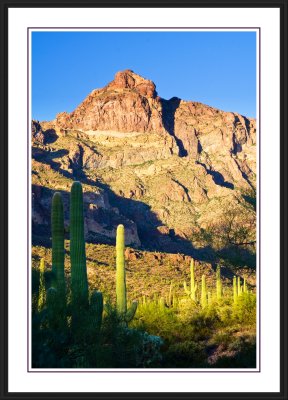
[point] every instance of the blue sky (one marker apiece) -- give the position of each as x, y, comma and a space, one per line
215, 68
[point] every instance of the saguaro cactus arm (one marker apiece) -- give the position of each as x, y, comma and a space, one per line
131, 311
187, 291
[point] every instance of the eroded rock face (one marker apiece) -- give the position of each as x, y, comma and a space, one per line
130, 104
127, 104
165, 166
37, 132
100, 219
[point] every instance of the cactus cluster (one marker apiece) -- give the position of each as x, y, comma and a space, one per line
204, 299
56, 296
238, 288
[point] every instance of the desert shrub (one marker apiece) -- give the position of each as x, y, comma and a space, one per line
187, 308
49, 346
157, 319
188, 354
222, 338
242, 353
120, 346
201, 322
244, 310
149, 351
159, 336
114, 346
225, 313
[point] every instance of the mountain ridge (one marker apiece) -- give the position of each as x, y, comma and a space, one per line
170, 169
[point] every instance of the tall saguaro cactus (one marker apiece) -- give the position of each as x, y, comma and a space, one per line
121, 296
86, 318
193, 286
57, 228
239, 285
120, 270
203, 292
218, 283
170, 296
79, 282
244, 286
235, 291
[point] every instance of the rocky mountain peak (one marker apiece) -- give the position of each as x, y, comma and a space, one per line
130, 80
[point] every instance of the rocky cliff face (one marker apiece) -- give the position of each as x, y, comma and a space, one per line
179, 174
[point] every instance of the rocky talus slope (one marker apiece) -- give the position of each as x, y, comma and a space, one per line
179, 174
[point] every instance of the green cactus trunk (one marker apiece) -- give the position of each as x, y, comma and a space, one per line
239, 286
121, 296
52, 309
58, 252
42, 290
170, 296
120, 271
218, 283
193, 287
96, 310
79, 281
244, 286
192, 280
209, 298
235, 292
203, 292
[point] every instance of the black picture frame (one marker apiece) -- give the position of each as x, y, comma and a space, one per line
5, 6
